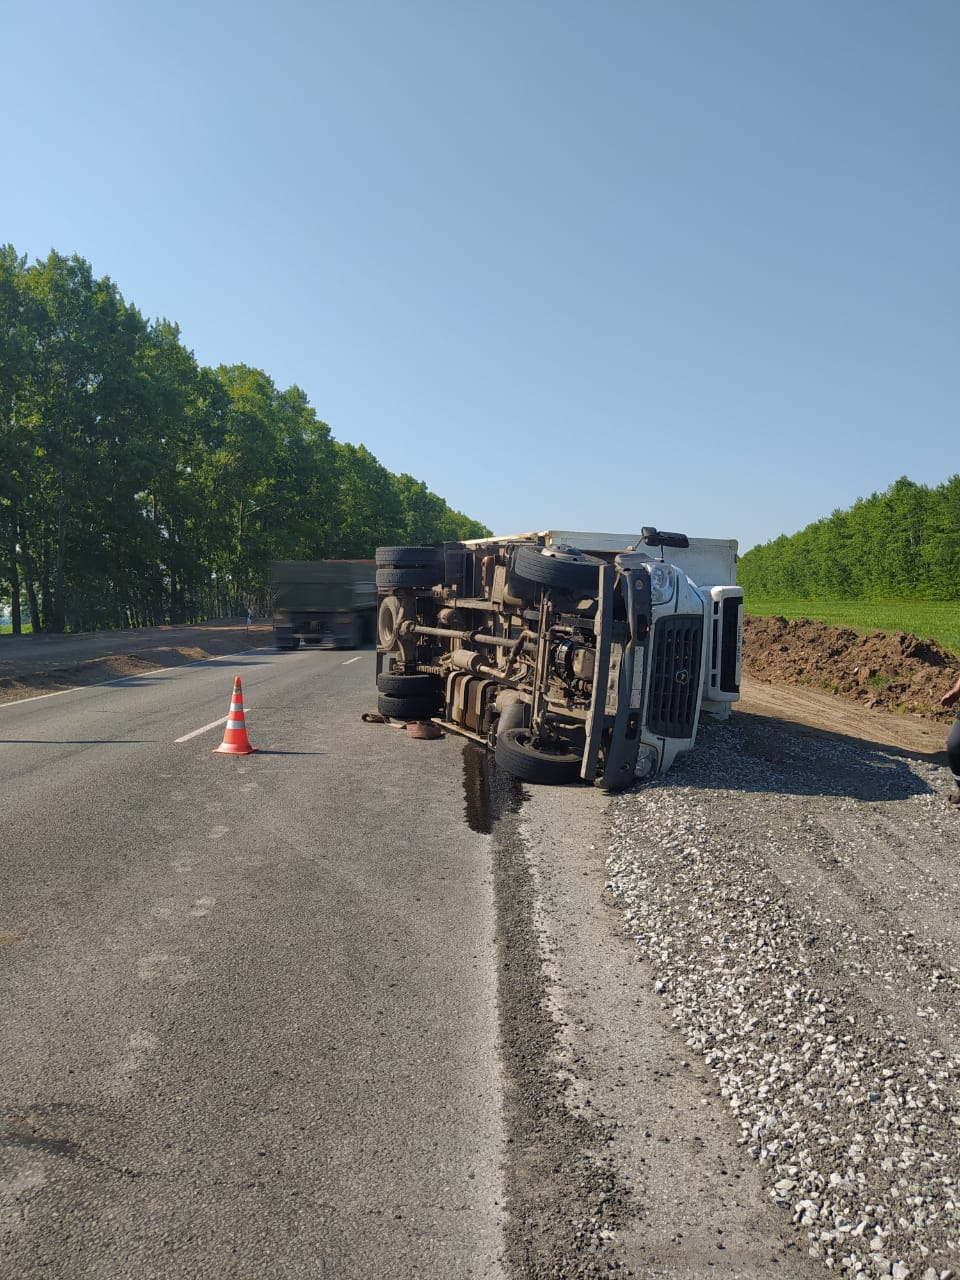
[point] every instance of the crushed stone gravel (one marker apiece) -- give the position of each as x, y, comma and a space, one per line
798, 899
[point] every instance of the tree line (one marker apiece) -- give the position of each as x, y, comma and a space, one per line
138, 487
902, 544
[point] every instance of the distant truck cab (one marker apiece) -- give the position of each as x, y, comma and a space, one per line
323, 602
575, 656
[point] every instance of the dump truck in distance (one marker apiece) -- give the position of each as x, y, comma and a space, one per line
575, 656
323, 602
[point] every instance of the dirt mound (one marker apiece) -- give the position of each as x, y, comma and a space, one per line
892, 671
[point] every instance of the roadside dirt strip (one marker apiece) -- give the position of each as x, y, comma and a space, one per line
34, 665
827, 713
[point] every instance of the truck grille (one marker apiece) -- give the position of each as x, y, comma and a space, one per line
675, 675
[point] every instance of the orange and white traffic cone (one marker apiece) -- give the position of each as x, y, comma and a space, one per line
235, 741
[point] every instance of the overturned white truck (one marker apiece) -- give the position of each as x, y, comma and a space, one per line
573, 655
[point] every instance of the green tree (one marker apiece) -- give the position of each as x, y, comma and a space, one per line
80, 406
367, 511
16, 354
137, 487
901, 544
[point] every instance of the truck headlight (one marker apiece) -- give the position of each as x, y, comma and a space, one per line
663, 583
646, 762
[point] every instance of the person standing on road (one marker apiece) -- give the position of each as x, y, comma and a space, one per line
953, 740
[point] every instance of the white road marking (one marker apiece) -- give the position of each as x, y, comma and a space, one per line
214, 724
206, 729
349, 660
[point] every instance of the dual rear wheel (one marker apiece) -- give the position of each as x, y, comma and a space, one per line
414, 697
413, 568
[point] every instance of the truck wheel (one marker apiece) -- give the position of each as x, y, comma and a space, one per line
290, 644
566, 568
420, 576
389, 616
419, 708
416, 686
516, 754
409, 557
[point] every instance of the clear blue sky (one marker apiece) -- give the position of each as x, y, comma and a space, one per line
595, 265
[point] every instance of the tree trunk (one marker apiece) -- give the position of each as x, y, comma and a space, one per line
30, 575
58, 618
16, 620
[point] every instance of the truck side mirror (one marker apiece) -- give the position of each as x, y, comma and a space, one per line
655, 538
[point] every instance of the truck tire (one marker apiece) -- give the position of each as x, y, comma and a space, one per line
515, 754
419, 708
389, 616
415, 686
289, 644
409, 557
566, 568
419, 577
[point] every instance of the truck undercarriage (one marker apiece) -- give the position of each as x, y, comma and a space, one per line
570, 664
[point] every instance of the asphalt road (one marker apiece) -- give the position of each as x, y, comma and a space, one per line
247, 1004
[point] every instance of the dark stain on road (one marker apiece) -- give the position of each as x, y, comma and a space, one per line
488, 792
32, 1132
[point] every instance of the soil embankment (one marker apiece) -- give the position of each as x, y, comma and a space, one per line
884, 687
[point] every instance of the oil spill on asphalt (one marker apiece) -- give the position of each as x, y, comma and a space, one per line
488, 792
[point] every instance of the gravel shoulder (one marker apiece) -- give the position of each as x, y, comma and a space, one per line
751, 1063
794, 894
646, 1175
751, 972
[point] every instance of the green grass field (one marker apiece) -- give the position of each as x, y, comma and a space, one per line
929, 619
